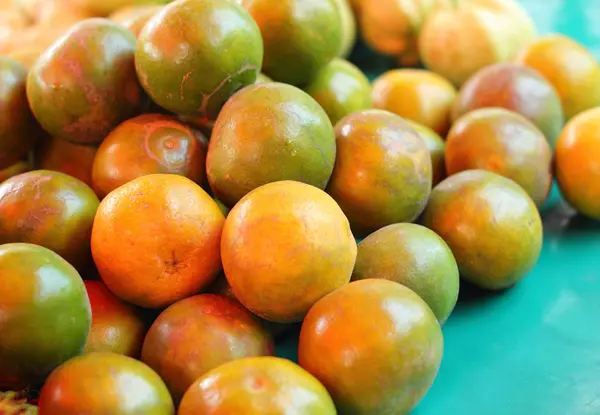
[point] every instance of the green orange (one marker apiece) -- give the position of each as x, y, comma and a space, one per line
267, 133
437, 148
50, 209
491, 225
181, 60
80, 93
311, 250
375, 345
45, 319
105, 383
198, 334
257, 386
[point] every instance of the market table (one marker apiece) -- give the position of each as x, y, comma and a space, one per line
533, 349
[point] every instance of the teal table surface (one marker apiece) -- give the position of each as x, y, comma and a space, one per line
533, 349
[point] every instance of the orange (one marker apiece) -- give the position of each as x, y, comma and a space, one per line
375, 345
570, 67
257, 386
155, 240
577, 169
117, 327
17, 168
201, 333
134, 17
503, 142
286, 245
436, 146
63, 156
417, 95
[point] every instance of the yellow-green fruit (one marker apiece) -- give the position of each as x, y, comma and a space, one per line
437, 148
349, 33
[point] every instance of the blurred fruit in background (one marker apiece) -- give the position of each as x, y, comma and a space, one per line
17, 168
106, 7
349, 29
134, 18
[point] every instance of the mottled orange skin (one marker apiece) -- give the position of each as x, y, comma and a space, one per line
155, 240
105, 383
198, 334
577, 155
375, 345
436, 146
310, 250
17, 168
134, 17
491, 225
257, 386
517, 88
148, 144
117, 327
50, 209
417, 95
503, 142
65, 157
570, 67
382, 172
80, 93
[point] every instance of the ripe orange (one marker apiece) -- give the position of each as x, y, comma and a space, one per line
70, 158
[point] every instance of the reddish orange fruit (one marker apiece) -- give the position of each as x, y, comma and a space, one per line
577, 155
503, 142
382, 172
310, 245
375, 345
257, 386
198, 334
156, 240
117, 327
105, 383
73, 159
148, 144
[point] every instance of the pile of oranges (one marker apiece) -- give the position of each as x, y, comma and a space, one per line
182, 183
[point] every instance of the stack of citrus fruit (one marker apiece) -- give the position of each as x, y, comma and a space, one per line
209, 206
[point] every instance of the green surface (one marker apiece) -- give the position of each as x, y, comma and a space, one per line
534, 349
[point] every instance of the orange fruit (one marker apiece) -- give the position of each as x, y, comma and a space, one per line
570, 67
417, 95
76, 160
461, 37
198, 334
310, 245
148, 144
517, 88
375, 345
436, 146
155, 240
17, 168
382, 172
491, 225
257, 386
503, 142
105, 383
577, 155
134, 17
117, 327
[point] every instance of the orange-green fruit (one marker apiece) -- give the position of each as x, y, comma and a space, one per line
261, 78
50, 209
300, 36
415, 257
148, 144
382, 172
134, 18
436, 146
105, 383
341, 89
577, 155
311, 250
14, 170
491, 225
155, 240
375, 345
17, 126
417, 95
257, 386
224, 209
461, 37
503, 142
76, 160
106, 7
349, 28
181, 60
117, 327
80, 93
45, 314
570, 67
266, 133
517, 88
201, 333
